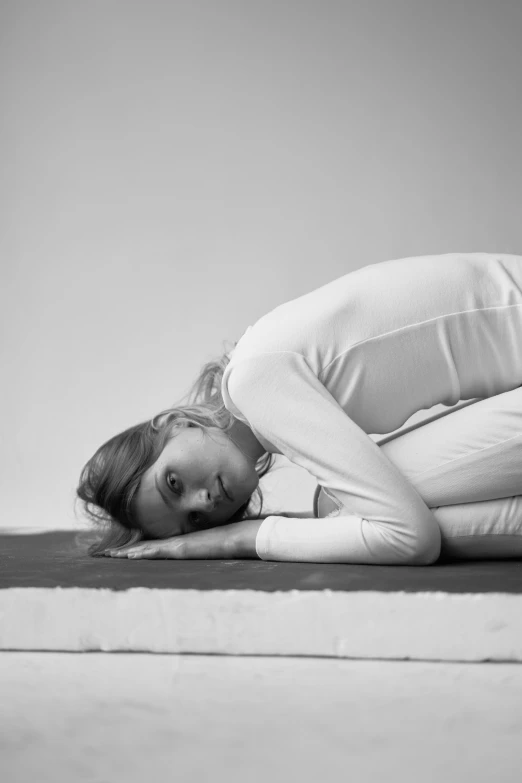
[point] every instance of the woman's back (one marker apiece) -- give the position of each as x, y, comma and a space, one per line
393, 338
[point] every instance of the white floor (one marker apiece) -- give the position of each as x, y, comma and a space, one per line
111, 717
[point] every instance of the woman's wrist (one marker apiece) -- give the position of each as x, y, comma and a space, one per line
243, 538
236, 540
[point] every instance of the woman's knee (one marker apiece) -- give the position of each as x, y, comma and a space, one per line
427, 549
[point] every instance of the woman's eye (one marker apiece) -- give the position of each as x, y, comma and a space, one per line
172, 482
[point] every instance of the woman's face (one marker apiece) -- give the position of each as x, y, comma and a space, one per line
199, 481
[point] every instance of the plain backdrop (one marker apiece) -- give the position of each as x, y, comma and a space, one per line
171, 171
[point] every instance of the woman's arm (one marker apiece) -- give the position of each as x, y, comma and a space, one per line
381, 518
236, 541
226, 542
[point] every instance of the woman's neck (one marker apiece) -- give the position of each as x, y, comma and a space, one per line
246, 441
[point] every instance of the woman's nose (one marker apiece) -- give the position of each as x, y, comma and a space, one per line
203, 501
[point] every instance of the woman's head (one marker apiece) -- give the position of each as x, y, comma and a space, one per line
200, 480
171, 475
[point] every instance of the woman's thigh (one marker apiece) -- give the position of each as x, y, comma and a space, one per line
467, 466
473, 454
489, 529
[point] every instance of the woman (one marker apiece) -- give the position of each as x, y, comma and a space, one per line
310, 380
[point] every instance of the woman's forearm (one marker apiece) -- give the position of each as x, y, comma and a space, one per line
235, 541
244, 533
226, 542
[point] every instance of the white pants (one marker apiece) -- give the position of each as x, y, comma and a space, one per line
467, 466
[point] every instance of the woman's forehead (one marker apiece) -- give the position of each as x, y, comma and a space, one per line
183, 438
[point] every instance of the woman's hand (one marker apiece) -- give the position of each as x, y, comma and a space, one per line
165, 548
226, 542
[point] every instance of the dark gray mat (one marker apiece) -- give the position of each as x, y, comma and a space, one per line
59, 559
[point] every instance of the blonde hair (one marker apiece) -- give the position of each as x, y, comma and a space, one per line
109, 481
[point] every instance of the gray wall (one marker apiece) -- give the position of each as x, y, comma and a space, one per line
173, 170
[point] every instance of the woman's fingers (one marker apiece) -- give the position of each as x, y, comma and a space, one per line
146, 553
119, 552
135, 552
166, 548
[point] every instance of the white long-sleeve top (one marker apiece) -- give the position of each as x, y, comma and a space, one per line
360, 355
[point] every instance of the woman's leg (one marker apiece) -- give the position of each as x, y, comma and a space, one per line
467, 466
486, 530
470, 455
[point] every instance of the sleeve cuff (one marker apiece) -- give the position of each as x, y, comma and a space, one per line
263, 538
